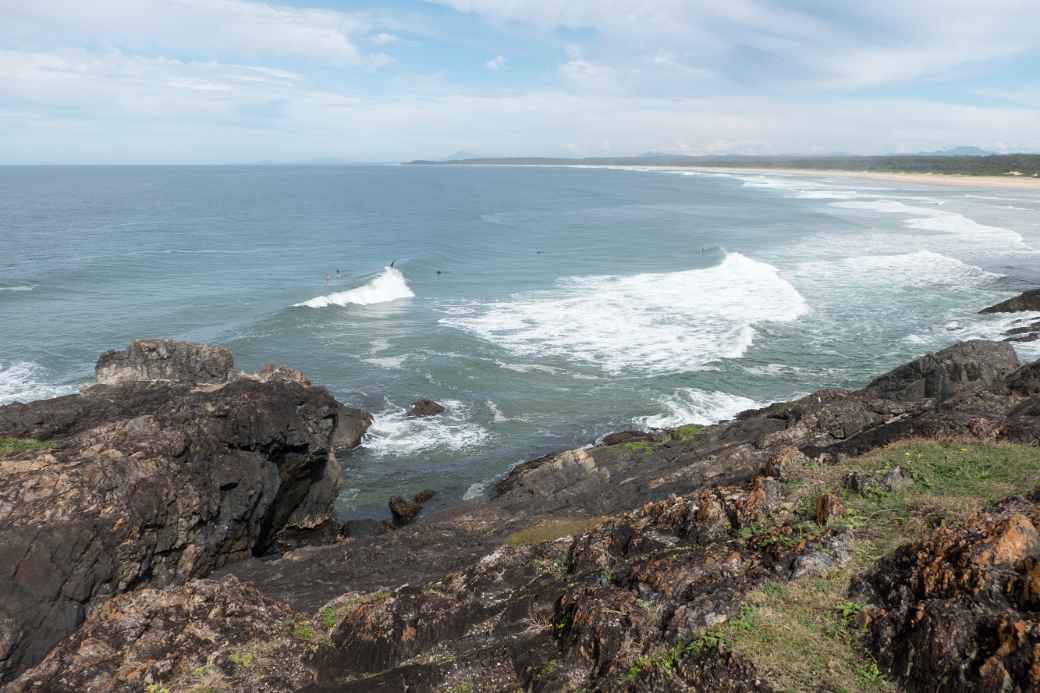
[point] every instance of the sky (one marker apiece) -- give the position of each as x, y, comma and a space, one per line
240, 81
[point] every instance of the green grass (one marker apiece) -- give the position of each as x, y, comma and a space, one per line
684, 434
328, 617
304, 631
638, 446
13, 446
801, 634
243, 660
550, 530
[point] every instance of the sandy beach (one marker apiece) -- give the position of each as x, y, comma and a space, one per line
1012, 182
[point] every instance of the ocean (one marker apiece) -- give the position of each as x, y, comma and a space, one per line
543, 306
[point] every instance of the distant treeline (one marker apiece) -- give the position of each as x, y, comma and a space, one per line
994, 165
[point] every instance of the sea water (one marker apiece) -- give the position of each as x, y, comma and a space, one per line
543, 306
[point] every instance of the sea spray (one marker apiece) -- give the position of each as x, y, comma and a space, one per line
390, 285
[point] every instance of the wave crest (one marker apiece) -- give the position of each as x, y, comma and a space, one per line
651, 323
390, 285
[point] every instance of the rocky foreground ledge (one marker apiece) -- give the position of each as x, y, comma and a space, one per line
173, 465
880, 539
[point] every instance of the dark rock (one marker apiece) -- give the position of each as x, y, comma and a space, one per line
203, 635
1028, 300
945, 373
364, 528
405, 511
426, 407
165, 360
1026, 380
151, 483
351, 427
958, 611
625, 437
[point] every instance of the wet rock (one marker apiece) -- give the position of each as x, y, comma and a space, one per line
405, 511
426, 407
828, 508
167, 361
203, 635
151, 483
945, 373
351, 426
1026, 301
958, 610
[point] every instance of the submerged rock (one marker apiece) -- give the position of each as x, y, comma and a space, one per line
405, 511
426, 407
152, 483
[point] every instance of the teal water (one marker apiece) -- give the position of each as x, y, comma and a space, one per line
544, 306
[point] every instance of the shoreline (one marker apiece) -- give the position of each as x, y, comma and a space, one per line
949, 179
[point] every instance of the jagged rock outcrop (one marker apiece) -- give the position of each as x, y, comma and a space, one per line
948, 372
1026, 301
603, 566
152, 483
959, 610
165, 360
206, 635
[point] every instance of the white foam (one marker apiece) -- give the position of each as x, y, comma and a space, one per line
395, 433
921, 269
527, 367
690, 405
17, 288
477, 490
942, 221
388, 362
388, 286
496, 413
24, 381
652, 323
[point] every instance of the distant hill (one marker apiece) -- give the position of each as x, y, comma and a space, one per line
959, 151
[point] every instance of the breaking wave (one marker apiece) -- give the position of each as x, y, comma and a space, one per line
650, 323
690, 405
395, 433
390, 285
24, 381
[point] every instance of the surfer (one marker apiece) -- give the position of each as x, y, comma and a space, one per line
392, 264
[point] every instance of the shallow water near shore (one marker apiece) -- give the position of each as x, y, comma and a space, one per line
543, 306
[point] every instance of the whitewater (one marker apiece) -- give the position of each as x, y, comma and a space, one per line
544, 307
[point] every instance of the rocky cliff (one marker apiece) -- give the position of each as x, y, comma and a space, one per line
878, 539
172, 466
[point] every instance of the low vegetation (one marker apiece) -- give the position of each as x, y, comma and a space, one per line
803, 634
550, 530
13, 446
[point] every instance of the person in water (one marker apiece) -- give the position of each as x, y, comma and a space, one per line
392, 263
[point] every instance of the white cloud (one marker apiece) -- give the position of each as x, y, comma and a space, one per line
496, 63
384, 39
850, 45
210, 27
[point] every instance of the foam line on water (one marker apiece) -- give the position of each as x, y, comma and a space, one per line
941, 221
25, 381
690, 405
390, 285
649, 323
395, 433
920, 269
17, 288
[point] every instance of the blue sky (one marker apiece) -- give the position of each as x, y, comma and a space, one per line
211, 81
